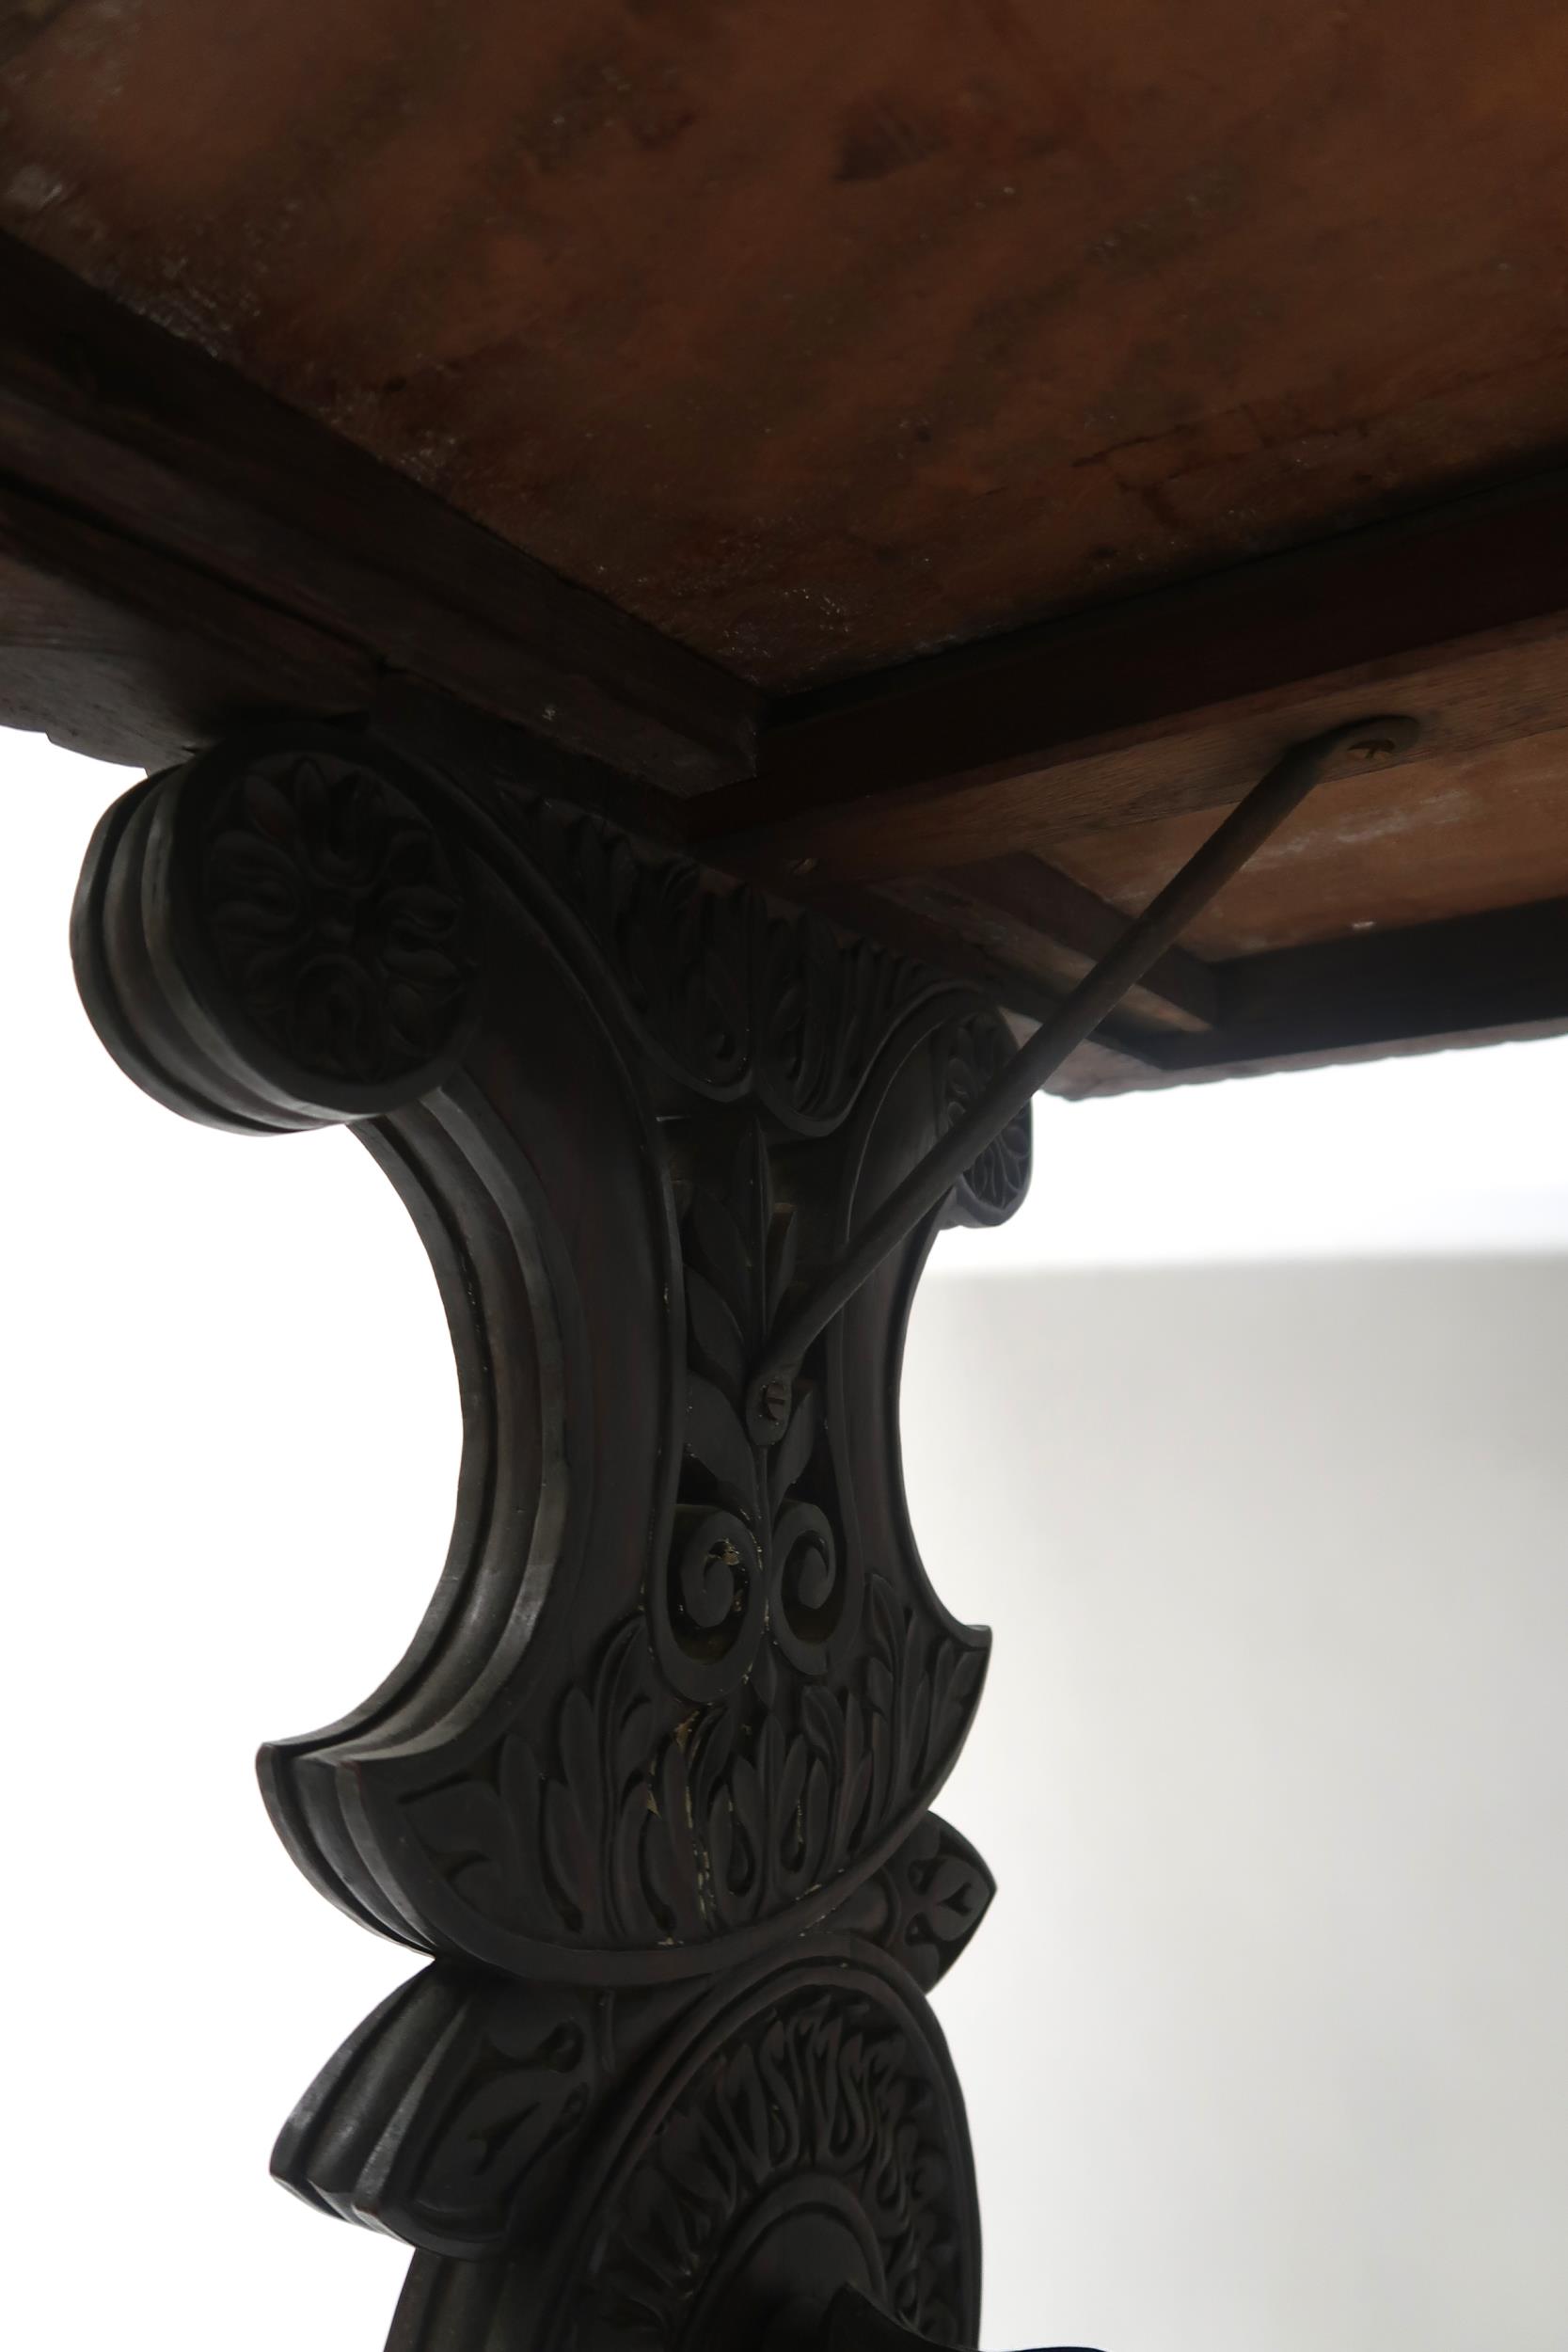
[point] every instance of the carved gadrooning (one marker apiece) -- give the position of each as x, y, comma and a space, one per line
458, 2115
794, 2139
684, 1694
819, 2138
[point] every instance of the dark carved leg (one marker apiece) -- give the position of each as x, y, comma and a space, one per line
652, 1783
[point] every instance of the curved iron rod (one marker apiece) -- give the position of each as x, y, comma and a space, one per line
1227, 850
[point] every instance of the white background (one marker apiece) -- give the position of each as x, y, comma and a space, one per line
1263, 2040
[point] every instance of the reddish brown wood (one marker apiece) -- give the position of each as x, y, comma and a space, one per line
1475, 980
184, 551
107, 417
996, 1121
1167, 705
1462, 834
818, 336
133, 668
541, 391
1040, 899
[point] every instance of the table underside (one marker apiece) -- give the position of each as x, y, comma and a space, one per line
929, 464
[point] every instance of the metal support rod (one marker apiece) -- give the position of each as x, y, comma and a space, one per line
1096, 994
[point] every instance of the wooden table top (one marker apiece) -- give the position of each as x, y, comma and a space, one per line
933, 458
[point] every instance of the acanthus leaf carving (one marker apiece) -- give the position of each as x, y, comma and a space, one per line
737, 994
684, 1695
647, 1820
447, 2116
926, 1901
751, 1553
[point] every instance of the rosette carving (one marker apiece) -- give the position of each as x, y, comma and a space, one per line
279, 934
652, 1780
822, 2139
336, 915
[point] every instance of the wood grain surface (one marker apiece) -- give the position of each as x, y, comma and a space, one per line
818, 336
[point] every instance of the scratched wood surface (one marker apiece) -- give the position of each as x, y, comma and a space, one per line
986, 437
1466, 833
817, 335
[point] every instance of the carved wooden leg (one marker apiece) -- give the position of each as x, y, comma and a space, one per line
652, 1783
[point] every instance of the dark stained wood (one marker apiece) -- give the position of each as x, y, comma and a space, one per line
1040, 899
1026, 986
821, 335
856, 2324
1501, 971
996, 1120
181, 551
1020, 962
1469, 980
1475, 980
1171, 703
108, 418
1018, 969
652, 1783
541, 391
137, 650
1019, 959
137, 668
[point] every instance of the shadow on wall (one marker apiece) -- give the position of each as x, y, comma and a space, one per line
1263, 2040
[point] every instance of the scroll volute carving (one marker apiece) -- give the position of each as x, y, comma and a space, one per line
240, 924
658, 1758
681, 1679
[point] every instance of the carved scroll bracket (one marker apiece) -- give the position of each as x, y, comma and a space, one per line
652, 1782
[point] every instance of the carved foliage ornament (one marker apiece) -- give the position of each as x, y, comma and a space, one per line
683, 1693
642, 1824
335, 917
751, 1548
823, 2121
729, 992
457, 2114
